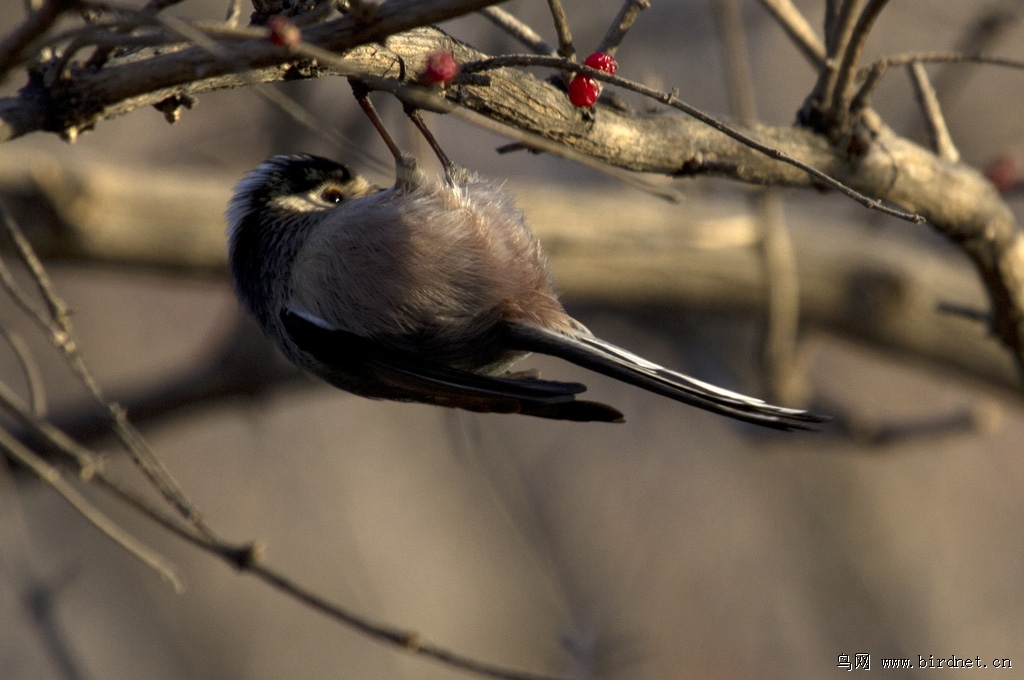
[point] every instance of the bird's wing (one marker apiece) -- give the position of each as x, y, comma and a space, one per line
343, 354
597, 355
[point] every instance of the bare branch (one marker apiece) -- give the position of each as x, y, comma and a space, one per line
51, 476
24, 302
63, 336
565, 47
831, 16
12, 47
248, 559
839, 22
840, 18
30, 369
669, 99
85, 459
873, 74
622, 22
143, 80
798, 29
938, 133
234, 13
843, 92
517, 29
943, 57
125, 83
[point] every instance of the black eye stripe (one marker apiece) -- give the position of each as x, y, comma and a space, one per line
301, 174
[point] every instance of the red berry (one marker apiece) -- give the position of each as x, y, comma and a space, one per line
602, 62
441, 68
283, 32
584, 91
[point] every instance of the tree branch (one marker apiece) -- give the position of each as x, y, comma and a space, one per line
513, 26
145, 78
52, 477
623, 21
798, 30
14, 44
938, 132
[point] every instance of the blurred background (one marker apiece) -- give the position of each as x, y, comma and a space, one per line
679, 544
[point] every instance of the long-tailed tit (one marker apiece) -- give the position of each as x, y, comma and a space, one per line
427, 292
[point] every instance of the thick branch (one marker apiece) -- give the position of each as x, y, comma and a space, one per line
145, 79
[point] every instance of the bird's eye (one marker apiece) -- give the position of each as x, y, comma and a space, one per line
332, 195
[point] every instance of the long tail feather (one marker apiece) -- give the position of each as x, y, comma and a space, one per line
597, 355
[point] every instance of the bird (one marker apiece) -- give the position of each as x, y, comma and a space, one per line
429, 291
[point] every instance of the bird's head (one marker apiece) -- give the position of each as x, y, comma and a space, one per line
272, 212
287, 187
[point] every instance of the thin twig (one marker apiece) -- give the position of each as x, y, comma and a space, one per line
234, 13
51, 476
113, 32
315, 124
943, 57
54, 437
30, 369
195, 35
669, 99
831, 13
838, 29
873, 74
840, 18
24, 302
64, 337
938, 132
862, 100
56, 307
622, 22
201, 36
511, 24
107, 34
843, 92
14, 44
248, 559
565, 47
798, 29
